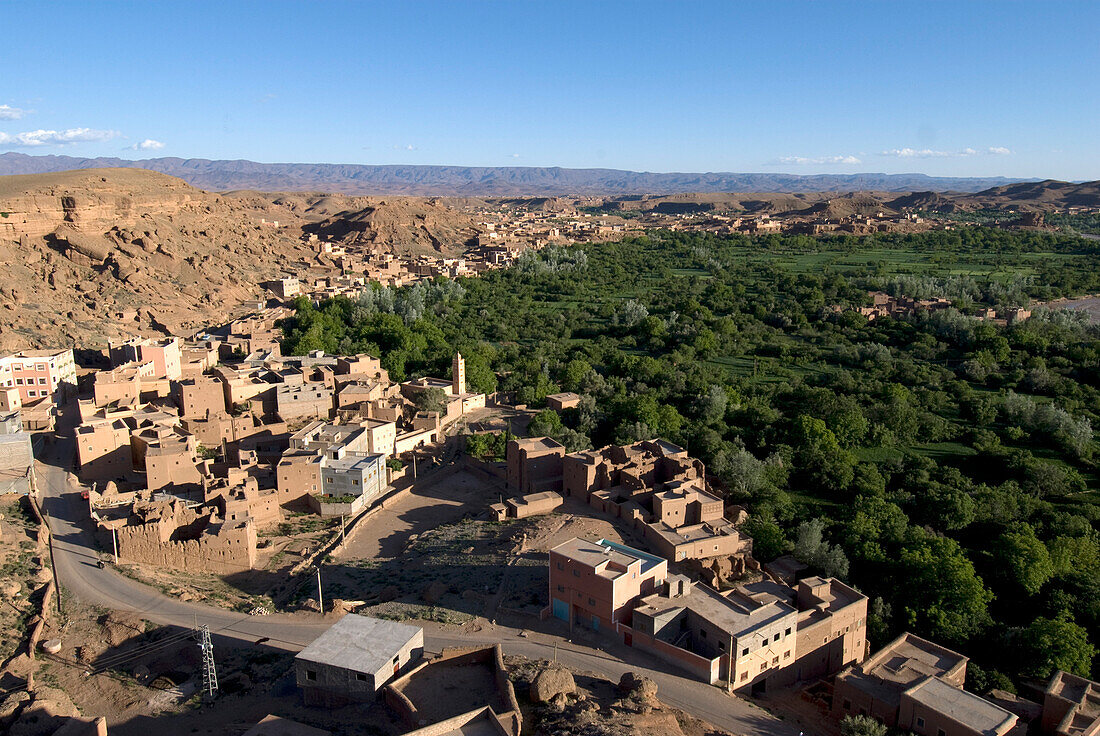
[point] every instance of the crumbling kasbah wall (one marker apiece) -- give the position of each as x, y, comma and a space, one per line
221, 548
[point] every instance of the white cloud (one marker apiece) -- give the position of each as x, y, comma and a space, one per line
11, 113
929, 153
147, 145
914, 153
36, 138
515, 155
819, 160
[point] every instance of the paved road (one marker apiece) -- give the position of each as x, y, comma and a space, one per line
80, 575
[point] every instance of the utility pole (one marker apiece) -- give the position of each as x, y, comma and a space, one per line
320, 601
209, 672
729, 668
414, 464
343, 535
114, 541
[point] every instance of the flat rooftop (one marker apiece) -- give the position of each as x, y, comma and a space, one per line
359, 643
538, 443
595, 554
962, 707
901, 664
737, 616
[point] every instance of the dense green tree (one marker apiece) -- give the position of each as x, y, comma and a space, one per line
1024, 558
862, 726
1057, 644
431, 399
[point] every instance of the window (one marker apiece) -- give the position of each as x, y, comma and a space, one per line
395, 659
787, 632
561, 588
787, 654
576, 573
763, 666
311, 675
776, 637
920, 722
847, 705
775, 660
19, 382
940, 732
360, 677
561, 566
41, 381
745, 652
591, 601
744, 676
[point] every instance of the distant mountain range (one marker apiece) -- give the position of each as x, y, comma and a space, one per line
489, 181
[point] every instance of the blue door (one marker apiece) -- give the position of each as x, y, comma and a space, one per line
560, 609
595, 623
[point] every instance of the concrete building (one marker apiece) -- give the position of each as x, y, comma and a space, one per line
754, 622
166, 355
200, 397
534, 464
354, 659
598, 584
915, 685
533, 504
1071, 706
558, 402
298, 475
311, 400
16, 460
353, 474
103, 450
832, 628
286, 288
39, 374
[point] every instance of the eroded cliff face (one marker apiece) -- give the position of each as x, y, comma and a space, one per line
99, 254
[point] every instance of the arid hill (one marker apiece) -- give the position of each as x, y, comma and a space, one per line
1043, 195
97, 254
404, 226
862, 204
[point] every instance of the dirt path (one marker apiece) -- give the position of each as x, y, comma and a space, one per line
386, 534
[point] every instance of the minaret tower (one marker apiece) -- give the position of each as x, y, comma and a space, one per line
458, 375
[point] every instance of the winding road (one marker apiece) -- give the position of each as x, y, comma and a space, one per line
76, 563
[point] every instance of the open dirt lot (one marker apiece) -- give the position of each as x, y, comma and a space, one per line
429, 557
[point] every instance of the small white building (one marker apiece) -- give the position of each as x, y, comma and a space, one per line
354, 659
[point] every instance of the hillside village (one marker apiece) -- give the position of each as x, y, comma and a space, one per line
188, 452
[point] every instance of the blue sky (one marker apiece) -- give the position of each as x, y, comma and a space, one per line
945, 88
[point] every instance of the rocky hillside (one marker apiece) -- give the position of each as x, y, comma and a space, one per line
403, 225
100, 254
